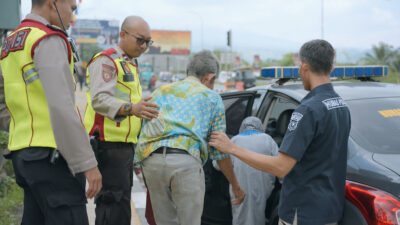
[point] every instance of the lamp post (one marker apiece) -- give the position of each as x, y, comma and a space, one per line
322, 19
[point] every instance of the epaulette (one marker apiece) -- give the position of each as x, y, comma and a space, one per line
53, 27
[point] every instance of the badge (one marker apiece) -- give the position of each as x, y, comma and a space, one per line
107, 72
294, 120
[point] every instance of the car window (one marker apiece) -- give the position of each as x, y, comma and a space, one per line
257, 101
235, 112
375, 124
278, 116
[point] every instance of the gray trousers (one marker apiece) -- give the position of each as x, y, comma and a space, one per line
176, 185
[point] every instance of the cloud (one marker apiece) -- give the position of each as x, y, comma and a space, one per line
382, 16
270, 24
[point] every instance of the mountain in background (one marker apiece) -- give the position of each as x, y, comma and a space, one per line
274, 48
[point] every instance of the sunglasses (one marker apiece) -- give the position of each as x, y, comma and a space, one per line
139, 40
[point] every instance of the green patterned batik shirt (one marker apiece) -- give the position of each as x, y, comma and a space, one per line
188, 113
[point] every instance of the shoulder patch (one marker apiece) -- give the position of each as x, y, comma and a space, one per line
14, 42
333, 103
294, 120
107, 72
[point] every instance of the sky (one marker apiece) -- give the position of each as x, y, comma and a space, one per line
269, 28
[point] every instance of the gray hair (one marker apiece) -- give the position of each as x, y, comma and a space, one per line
202, 63
319, 54
251, 123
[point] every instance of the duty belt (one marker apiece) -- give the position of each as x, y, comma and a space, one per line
108, 144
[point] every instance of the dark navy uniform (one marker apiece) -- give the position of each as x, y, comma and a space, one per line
317, 138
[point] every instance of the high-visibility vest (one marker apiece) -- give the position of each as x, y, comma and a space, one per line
128, 90
30, 124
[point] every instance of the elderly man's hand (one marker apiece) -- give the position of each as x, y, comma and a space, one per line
239, 195
220, 141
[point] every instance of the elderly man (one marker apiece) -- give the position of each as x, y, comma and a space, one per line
313, 154
172, 147
257, 184
113, 117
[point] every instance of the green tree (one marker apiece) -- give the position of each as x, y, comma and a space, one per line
269, 62
396, 61
287, 60
382, 54
87, 51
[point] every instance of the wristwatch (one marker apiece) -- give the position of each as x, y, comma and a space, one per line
127, 108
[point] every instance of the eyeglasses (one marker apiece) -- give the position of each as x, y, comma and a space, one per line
139, 40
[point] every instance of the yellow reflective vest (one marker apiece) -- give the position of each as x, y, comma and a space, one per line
128, 90
30, 124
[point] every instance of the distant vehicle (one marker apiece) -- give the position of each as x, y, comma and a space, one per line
165, 76
147, 77
373, 165
178, 77
246, 76
224, 76
242, 78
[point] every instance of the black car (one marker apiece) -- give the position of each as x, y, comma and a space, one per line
373, 166
246, 76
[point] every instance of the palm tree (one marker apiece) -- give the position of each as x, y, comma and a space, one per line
382, 54
396, 61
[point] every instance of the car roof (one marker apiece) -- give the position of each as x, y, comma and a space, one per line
347, 90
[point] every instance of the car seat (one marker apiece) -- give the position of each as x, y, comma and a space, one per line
281, 125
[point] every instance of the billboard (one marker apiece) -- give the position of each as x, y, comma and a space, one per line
170, 42
105, 33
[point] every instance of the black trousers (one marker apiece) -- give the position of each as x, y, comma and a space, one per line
217, 202
113, 203
52, 195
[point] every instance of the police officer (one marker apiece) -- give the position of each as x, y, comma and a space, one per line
313, 153
115, 106
50, 149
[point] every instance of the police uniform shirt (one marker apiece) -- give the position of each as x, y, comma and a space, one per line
102, 90
51, 62
317, 138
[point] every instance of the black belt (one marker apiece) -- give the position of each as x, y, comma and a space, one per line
169, 150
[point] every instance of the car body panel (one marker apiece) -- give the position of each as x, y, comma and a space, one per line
381, 171
390, 161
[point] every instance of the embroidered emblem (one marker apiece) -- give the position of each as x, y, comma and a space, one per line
333, 103
107, 72
294, 120
14, 42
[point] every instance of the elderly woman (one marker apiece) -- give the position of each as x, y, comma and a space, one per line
258, 185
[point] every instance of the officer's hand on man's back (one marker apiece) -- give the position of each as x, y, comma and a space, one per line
94, 179
145, 110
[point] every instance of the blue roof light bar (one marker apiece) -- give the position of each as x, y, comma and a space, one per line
340, 72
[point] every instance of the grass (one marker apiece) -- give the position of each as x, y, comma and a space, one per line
11, 195
393, 77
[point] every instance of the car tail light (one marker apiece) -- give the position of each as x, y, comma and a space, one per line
377, 206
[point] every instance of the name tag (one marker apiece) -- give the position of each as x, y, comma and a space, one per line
333, 103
